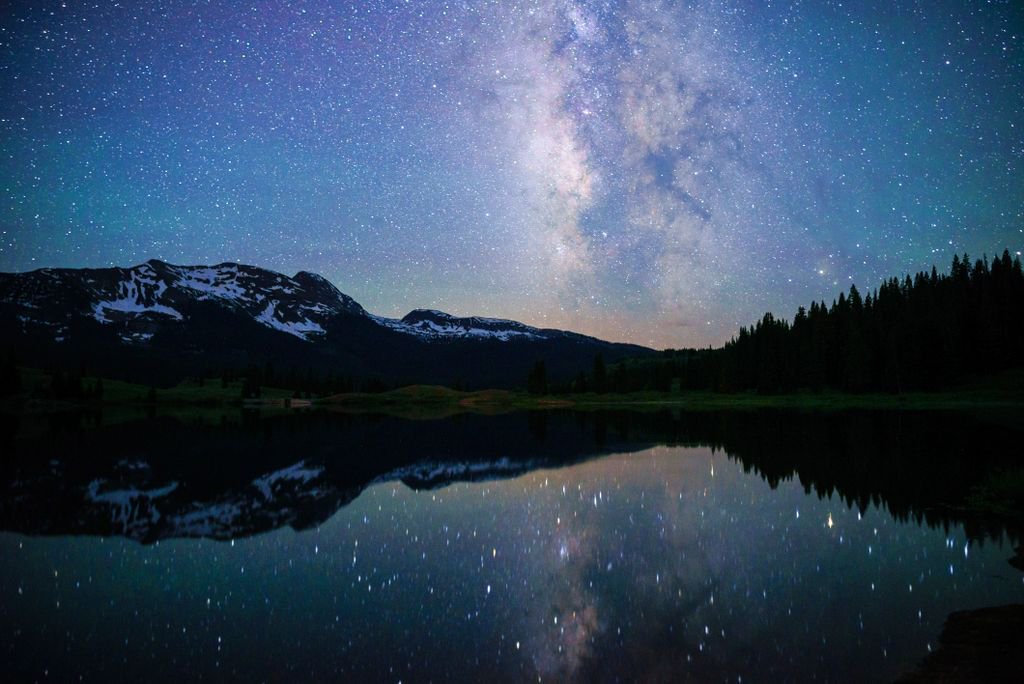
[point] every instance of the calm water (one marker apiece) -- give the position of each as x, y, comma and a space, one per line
626, 561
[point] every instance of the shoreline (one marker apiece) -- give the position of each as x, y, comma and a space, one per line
487, 401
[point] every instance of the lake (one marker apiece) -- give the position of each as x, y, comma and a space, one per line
555, 546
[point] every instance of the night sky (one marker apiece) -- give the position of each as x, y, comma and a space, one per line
659, 173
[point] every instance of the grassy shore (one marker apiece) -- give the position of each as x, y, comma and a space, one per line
36, 394
486, 401
998, 392
1003, 392
999, 400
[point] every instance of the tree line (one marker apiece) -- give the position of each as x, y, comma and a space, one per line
921, 332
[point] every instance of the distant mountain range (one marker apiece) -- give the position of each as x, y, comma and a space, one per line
159, 322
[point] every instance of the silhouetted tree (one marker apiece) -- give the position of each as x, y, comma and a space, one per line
10, 376
537, 382
599, 378
914, 333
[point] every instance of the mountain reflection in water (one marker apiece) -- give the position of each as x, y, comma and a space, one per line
554, 545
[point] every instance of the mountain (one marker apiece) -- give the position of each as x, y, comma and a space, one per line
435, 325
159, 322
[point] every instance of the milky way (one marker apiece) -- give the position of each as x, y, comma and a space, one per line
653, 172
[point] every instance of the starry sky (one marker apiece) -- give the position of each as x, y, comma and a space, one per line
652, 172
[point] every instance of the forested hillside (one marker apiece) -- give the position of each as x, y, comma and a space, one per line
922, 332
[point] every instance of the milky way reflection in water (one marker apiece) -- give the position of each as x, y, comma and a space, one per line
648, 565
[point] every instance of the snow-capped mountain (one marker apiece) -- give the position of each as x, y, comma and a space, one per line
136, 300
430, 324
162, 320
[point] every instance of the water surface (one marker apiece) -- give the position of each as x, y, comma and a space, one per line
653, 562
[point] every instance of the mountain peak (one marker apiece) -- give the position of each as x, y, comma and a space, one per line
417, 315
310, 277
323, 288
155, 296
431, 324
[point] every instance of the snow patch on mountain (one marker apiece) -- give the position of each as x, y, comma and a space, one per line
300, 328
136, 296
131, 306
212, 282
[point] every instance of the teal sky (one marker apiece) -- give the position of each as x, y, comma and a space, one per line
659, 173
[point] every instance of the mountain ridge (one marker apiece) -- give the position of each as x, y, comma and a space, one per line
233, 314
211, 279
